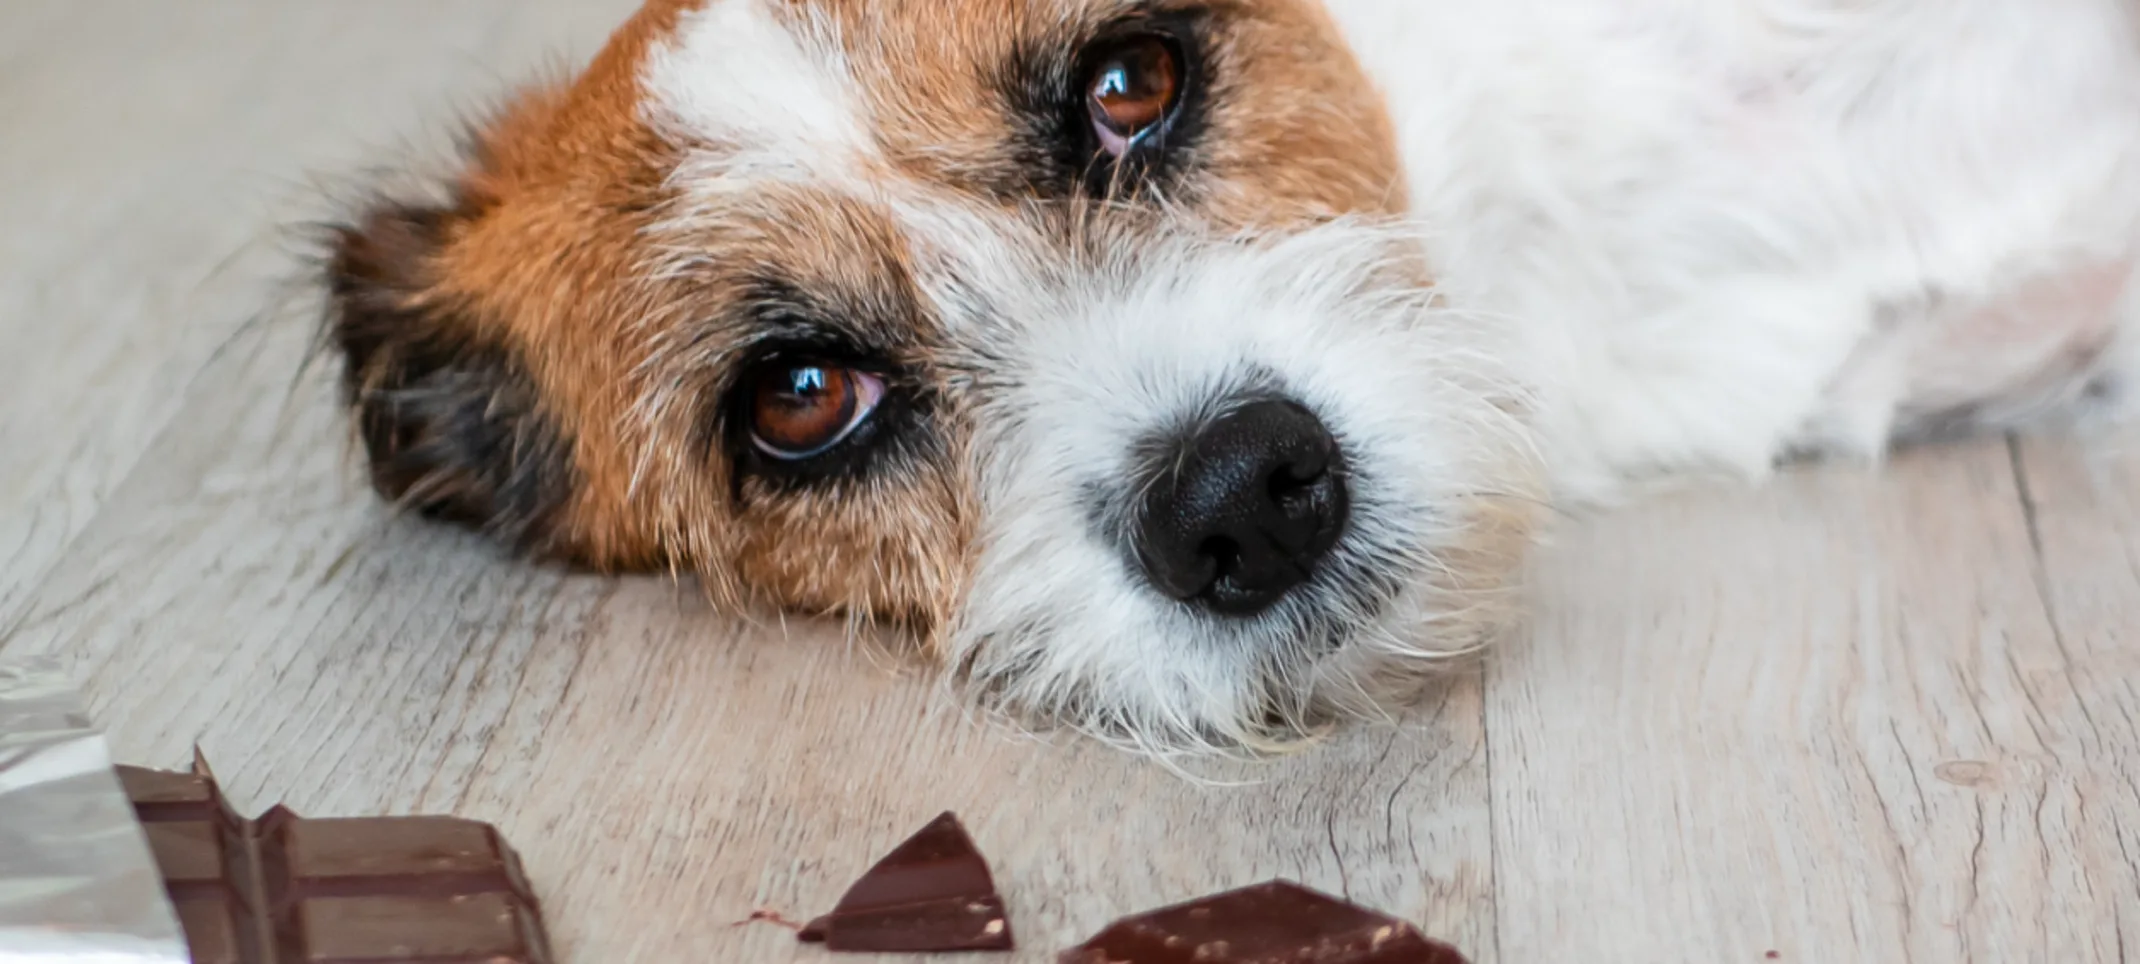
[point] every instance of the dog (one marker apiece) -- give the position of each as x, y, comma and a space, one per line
1197, 373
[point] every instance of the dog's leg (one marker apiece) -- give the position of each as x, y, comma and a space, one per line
2051, 352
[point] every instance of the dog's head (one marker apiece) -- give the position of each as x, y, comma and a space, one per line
1080, 338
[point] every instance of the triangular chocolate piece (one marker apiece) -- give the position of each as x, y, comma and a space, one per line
931, 893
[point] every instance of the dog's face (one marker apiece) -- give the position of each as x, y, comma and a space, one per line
1075, 337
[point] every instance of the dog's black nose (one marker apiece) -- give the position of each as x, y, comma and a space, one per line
1242, 511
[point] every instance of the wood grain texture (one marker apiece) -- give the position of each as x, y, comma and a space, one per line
2083, 511
158, 164
1850, 717
1831, 719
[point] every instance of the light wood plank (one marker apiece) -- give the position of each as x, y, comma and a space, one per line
157, 156
2083, 505
1830, 720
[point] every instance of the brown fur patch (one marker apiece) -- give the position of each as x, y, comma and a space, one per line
532, 263
1292, 130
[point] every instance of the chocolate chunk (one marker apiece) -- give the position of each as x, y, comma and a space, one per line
288, 890
931, 893
1269, 923
205, 853
398, 888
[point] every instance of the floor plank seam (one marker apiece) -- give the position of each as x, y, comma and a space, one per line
2040, 575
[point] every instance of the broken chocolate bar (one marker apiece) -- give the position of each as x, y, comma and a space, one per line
931, 893
1274, 922
287, 890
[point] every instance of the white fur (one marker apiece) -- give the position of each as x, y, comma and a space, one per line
1735, 228
1075, 363
763, 90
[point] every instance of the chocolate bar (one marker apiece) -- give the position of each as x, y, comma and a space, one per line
1279, 921
289, 890
931, 893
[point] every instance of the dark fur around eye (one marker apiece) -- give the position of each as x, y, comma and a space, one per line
791, 328
1058, 153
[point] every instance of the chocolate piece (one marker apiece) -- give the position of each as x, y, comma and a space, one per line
205, 854
287, 890
1269, 923
931, 893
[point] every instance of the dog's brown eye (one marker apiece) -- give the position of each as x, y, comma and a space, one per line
798, 411
1133, 87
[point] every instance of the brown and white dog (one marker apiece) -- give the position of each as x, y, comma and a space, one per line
1188, 371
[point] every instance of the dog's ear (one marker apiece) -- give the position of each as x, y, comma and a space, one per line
452, 421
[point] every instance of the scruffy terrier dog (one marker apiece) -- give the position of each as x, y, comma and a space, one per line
1190, 371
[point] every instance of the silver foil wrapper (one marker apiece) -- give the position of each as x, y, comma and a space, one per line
77, 881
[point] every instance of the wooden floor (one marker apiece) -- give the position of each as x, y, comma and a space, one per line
1850, 718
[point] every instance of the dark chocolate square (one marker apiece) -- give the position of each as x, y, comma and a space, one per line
475, 929
215, 929
438, 854
151, 790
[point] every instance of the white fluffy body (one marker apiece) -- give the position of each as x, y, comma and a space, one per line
1691, 235
1735, 229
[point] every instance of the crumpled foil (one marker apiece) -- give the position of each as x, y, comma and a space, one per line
77, 881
